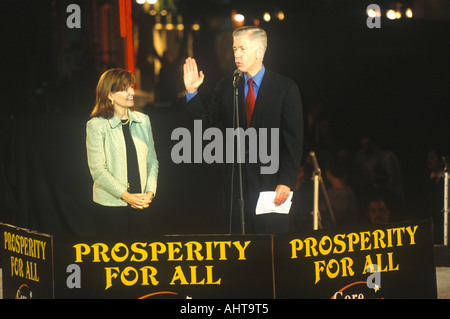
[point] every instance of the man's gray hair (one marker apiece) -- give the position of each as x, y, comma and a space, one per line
256, 34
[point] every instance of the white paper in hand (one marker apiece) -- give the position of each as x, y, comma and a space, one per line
266, 204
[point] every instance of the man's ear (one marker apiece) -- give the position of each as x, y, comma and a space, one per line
260, 53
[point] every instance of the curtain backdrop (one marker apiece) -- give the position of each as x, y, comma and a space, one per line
46, 185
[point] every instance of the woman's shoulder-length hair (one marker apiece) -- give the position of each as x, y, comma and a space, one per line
111, 81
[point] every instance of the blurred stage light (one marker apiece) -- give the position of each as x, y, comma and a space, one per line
152, 1
373, 13
196, 27
140, 1
280, 15
390, 14
266, 17
409, 13
239, 17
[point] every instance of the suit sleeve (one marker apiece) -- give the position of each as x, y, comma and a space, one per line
207, 112
291, 137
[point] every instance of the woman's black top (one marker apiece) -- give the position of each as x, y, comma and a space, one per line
134, 181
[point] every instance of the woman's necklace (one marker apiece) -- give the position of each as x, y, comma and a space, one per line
125, 123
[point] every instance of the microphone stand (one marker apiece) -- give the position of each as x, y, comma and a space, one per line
236, 77
446, 209
317, 176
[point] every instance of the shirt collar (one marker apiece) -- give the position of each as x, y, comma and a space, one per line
257, 79
115, 121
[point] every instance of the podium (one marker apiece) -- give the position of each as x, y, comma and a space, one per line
377, 261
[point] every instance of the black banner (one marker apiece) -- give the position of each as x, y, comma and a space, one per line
27, 263
386, 261
389, 261
197, 267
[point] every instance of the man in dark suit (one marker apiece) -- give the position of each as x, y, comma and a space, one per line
272, 102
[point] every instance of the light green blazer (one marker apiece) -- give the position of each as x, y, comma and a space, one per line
107, 159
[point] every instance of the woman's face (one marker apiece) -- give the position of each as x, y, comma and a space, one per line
123, 99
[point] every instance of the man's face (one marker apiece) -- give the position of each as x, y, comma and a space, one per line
378, 212
247, 55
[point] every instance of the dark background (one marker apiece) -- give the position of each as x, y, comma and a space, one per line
390, 82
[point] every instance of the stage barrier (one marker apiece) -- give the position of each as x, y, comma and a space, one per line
385, 261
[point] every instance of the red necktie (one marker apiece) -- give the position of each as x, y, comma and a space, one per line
249, 102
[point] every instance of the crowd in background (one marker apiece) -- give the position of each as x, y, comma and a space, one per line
364, 182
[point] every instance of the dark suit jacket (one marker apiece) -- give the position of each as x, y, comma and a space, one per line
278, 105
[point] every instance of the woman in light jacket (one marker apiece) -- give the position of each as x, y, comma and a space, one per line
121, 154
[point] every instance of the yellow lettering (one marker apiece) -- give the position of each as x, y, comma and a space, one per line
322, 243
412, 234
191, 251
31, 272
43, 244
135, 248
126, 272
146, 275
330, 266
347, 264
296, 245
378, 236
310, 243
399, 232
194, 276
80, 250
390, 263
209, 277
368, 264
380, 264
16, 266
389, 237
353, 239
156, 251
241, 249
111, 273
208, 250
340, 242
179, 275
173, 251
389, 267
102, 252
222, 251
319, 267
116, 249
364, 240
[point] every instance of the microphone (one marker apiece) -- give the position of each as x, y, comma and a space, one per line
236, 77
